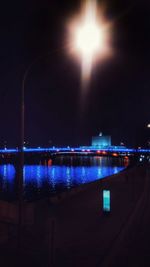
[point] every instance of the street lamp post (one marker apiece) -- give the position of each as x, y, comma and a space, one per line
21, 153
21, 165
21, 147
90, 40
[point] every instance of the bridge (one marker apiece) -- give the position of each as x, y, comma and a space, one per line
86, 150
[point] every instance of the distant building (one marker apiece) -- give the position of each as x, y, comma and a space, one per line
101, 141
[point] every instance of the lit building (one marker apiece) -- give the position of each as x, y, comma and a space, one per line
101, 141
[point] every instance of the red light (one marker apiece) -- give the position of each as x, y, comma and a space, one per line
49, 162
115, 154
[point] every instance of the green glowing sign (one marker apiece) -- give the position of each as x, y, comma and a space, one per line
106, 200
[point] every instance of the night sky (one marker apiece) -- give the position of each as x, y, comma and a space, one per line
118, 102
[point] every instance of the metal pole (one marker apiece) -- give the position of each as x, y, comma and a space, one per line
21, 157
21, 165
21, 152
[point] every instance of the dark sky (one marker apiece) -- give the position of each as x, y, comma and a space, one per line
118, 102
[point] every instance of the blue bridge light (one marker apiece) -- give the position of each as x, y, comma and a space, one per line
80, 150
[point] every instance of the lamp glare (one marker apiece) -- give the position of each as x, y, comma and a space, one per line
89, 39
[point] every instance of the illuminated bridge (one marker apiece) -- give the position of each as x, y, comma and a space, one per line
110, 151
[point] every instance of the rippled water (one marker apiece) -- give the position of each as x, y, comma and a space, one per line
60, 174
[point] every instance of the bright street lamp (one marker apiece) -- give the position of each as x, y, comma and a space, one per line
91, 36
89, 39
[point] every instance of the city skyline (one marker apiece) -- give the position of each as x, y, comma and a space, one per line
118, 98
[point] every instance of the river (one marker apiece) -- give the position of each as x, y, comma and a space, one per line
53, 176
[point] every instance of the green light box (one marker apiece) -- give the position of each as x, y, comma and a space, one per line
106, 200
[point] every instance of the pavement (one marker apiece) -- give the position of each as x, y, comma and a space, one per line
85, 235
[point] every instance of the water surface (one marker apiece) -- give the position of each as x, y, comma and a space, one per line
61, 174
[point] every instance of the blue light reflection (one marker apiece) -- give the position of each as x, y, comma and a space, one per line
7, 181
64, 173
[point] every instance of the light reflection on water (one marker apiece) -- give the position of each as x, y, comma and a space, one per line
64, 173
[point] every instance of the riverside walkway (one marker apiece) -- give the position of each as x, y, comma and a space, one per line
71, 230
87, 237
